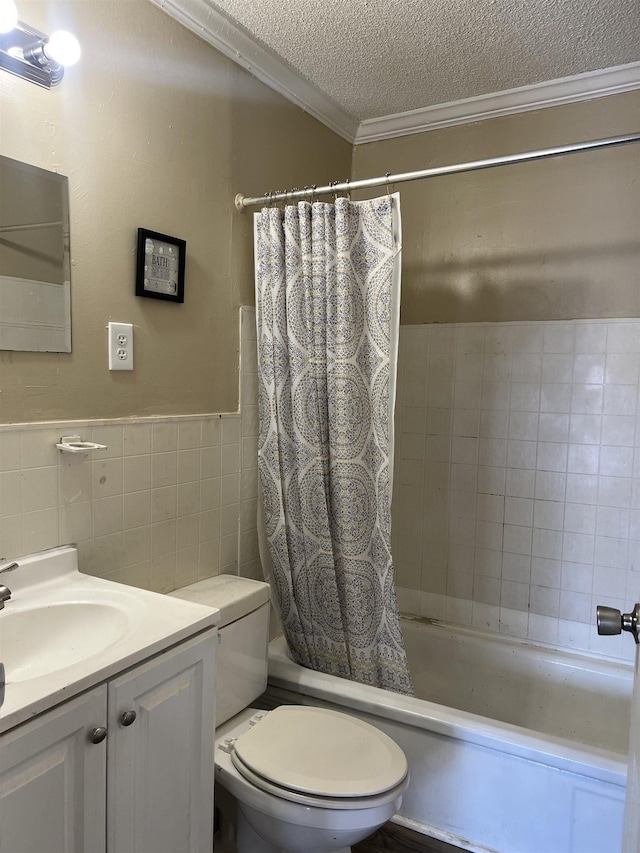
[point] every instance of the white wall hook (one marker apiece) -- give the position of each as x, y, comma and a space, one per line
73, 444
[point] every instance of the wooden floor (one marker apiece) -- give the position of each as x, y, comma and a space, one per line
399, 840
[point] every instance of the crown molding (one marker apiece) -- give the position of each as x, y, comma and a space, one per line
567, 90
227, 36
231, 39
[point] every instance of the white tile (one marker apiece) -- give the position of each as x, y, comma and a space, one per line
490, 507
495, 396
164, 503
10, 450
553, 427
136, 473
618, 430
634, 524
517, 540
622, 368
488, 534
585, 429
496, 367
583, 459
613, 521
487, 562
485, 616
513, 622
40, 530
578, 547
520, 482
544, 629
463, 504
467, 394
136, 509
555, 397
136, 439
528, 338
164, 469
550, 486
231, 430
11, 535
558, 337
521, 454
579, 518
544, 601
547, 544
39, 488
442, 339
441, 367
211, 431
588, 368
432, 605
463, 477
460, 584
609, 581
577, 577
514, 596
107, 515
591, 337
611, 552
470, 339
459, 610
573, 635
486, 590
547, 573
492, 451
189, 434
464, 450
468, 366
557, 367
440, 394
620, 399
582, 488
164, 437
623, 337
106, 478
491, 479
112, 437
525, 397
518, 511
616, 461
39, 448
526, 367
74, 479
552, 456
439, 421
548, 515
587, 399
614, 491
523, 426
498, 339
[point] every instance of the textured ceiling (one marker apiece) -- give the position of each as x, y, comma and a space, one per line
380, 57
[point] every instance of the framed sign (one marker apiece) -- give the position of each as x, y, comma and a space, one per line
160, 266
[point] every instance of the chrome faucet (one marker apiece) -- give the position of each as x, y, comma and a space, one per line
5, 592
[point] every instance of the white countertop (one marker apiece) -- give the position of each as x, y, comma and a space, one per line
61, 606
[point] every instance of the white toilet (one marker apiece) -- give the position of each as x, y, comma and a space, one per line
305, 780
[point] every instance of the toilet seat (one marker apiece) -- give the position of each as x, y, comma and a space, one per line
320, 757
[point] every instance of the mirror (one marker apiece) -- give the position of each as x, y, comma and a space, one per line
35, 277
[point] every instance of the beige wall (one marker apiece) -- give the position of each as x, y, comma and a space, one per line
548, 240
155, 129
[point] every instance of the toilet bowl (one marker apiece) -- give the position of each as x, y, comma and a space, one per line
308, 779
296, 779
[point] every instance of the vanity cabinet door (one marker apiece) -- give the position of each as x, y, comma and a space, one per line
160, 753
53, 780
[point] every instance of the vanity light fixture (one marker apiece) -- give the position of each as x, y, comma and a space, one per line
32, 55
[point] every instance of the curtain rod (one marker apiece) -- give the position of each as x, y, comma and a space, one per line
243, 202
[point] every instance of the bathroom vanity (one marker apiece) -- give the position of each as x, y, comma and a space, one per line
107, 724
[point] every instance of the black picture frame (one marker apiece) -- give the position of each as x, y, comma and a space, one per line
160, 266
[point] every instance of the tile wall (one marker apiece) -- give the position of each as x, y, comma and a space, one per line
169, 502
517, 483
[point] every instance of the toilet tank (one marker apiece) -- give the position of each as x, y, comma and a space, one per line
243, 638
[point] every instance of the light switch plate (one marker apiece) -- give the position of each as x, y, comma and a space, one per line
120, 344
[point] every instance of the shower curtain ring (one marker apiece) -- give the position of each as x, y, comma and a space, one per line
348, 190
314, 187
387, 176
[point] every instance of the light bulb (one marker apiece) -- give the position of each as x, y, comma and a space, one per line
8, 16
62, 47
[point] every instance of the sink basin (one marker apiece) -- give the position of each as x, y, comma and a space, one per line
37, 641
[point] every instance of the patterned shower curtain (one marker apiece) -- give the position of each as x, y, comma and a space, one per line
327, 306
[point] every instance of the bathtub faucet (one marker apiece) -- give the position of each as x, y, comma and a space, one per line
5, 592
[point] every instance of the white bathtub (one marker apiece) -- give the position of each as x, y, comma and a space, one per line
513, 747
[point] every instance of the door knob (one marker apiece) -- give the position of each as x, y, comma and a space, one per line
98, 734
127, 718
611, 621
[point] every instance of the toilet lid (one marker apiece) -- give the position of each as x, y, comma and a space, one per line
322, 752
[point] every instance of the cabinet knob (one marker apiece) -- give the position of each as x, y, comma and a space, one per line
98, 734
128, 717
